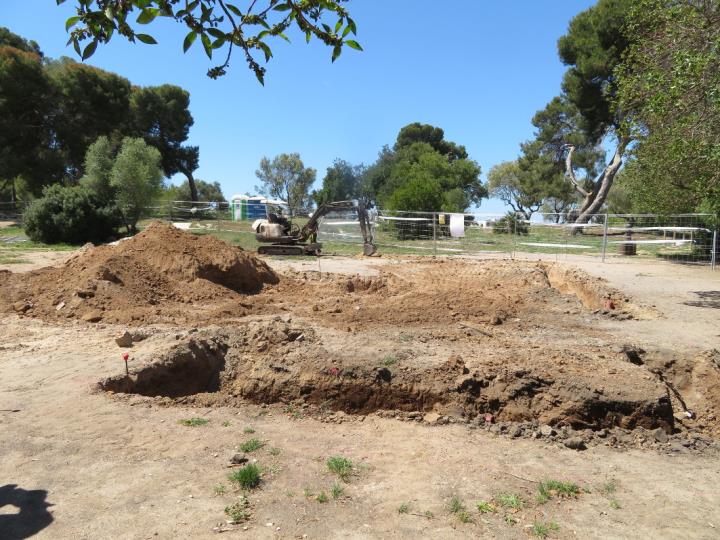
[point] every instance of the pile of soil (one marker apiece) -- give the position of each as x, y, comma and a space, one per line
138, 279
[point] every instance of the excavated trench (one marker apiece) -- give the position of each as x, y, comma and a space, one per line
278, 363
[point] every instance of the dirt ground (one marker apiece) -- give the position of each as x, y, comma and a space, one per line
438, 379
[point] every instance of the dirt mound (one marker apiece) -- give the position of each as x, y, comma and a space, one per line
138, 278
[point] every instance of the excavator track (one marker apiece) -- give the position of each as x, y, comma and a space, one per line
290, 249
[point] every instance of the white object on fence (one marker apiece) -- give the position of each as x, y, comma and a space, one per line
569, 246
676, 242
389, 218
183, 226
457, 225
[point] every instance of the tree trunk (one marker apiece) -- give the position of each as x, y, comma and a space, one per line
191, 183
603, 184
593, 200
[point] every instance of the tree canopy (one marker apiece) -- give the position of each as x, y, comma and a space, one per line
285, 177
342, 182
424, 172
52, 111
220, 25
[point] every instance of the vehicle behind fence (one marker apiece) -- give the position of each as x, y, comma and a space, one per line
687, 238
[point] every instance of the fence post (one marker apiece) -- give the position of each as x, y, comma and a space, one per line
713, 256
604, 241
435, 233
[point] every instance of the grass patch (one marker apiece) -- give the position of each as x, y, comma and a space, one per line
614, 504
389, 360
553, 488
404, 508
608, 488
322, 497
428, 514
464, 516
247, 477
337, 491
251, 445
340, 466
226, 423
485, 507
510, 519
274, 451
456, 506
510, 500
307, 492
249, 430
543, 529
238, 512
219, 489
194, 422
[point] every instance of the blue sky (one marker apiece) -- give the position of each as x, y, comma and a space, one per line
477, 68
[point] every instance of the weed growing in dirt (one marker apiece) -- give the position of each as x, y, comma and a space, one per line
226, 423
251, 445
247, 477
249, 430
510, 519
274, 451
510, 500
404, 508
307, 492
614, 504
608, 488
337, 491
238, 512
456, 505
340, 466
428, 514
464, 516
404, 338
219, 489
551, 488
322, 497
194, 422
389, 361
485, 507
543, 529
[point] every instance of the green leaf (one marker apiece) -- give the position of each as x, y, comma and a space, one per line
207, 45
76, 46
147, 16
89, 50
338, 25
337, 51
145, 38
72, 21
217, 34
347, 31
282, 7
351, 25
234, 9
308, 35
353, 45
189, 40
284, 37
266, 50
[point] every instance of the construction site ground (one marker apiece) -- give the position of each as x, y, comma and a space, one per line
446, 382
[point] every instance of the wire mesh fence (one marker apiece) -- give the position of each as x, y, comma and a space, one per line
685, 238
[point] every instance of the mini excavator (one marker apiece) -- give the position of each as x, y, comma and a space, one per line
286, 238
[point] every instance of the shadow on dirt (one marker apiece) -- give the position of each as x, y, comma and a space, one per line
706, 299
28, 517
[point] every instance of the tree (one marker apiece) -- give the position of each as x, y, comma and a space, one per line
286, 178
91, 102
137, 179
218, 23
206, 191
161, 116
593, 49
507, 182
26, 105
421, 155
99, 161
10, 39
342, 182
669, 81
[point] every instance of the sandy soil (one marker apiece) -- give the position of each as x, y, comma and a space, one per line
78, 463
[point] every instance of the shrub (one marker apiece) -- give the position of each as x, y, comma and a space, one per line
247, 477
511, 224
71, 215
